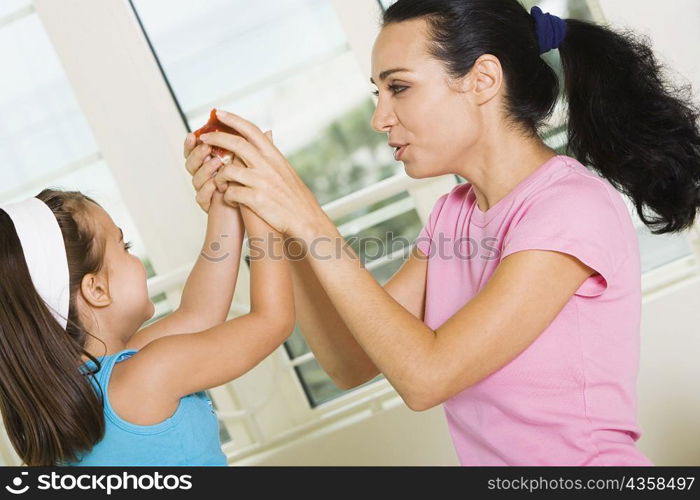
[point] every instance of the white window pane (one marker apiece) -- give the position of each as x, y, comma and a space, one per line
303, 82
659, 249
45, 141
393, 236
96, 181
42, 127
299, 107
286, 66
211, 49
8, 7
318, 387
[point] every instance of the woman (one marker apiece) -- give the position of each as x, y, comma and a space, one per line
519, 308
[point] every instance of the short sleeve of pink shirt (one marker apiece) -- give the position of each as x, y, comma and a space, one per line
570, 397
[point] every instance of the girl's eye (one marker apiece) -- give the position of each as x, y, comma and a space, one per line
127, 246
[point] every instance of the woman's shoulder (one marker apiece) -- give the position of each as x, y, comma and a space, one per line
584, 182
580, 209
452, 199
577, 188
459, 191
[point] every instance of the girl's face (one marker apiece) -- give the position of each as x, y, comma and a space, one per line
125, 300
419, 105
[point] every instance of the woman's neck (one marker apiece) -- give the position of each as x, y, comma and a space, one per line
496, 169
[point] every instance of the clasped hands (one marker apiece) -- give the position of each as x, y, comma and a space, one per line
259, 176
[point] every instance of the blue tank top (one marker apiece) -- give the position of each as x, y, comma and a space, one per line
190, 436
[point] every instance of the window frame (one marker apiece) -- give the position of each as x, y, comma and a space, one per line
147, 158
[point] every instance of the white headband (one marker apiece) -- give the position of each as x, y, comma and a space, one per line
45, 253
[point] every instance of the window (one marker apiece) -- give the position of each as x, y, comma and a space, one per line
298, 67
45, 139
381, 235
311, 93
315, 98
128, 149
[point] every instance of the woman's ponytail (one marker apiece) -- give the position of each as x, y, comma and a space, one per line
631, 125
626, 120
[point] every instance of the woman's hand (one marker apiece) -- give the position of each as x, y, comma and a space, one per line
269, 185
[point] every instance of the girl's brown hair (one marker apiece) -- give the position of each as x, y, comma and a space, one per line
50, 409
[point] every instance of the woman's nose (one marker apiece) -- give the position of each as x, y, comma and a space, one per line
383, 118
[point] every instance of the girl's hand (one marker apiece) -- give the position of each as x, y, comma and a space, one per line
202, 166
269, 185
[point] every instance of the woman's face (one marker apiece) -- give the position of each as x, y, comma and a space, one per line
419, 106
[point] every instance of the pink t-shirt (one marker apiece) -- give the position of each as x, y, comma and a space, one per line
570, 397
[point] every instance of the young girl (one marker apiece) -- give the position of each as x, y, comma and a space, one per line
80, 384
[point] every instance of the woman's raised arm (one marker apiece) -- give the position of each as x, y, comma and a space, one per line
524, 295
332, 343
334, 347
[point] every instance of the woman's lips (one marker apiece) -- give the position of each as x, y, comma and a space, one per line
399, 152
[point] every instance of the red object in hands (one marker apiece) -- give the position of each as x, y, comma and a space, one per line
214, 125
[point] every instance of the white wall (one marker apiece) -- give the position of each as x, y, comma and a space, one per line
674, 28
668, 396
397, 436
669, 401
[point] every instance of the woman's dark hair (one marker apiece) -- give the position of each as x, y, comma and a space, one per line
50, 409
626, 121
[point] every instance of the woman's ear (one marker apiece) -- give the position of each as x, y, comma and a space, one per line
95, 290
485, 78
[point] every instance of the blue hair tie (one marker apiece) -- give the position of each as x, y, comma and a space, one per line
550, 29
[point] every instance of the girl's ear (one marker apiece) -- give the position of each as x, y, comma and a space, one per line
95, 290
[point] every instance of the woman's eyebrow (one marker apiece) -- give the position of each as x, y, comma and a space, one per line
121, 233
384, 74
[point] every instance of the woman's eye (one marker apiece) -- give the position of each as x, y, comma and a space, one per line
127, 246
394, 88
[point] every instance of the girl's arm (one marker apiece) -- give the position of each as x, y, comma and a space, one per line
208, 291
174, 366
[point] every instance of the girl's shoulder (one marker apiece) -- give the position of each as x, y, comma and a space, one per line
132, 398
